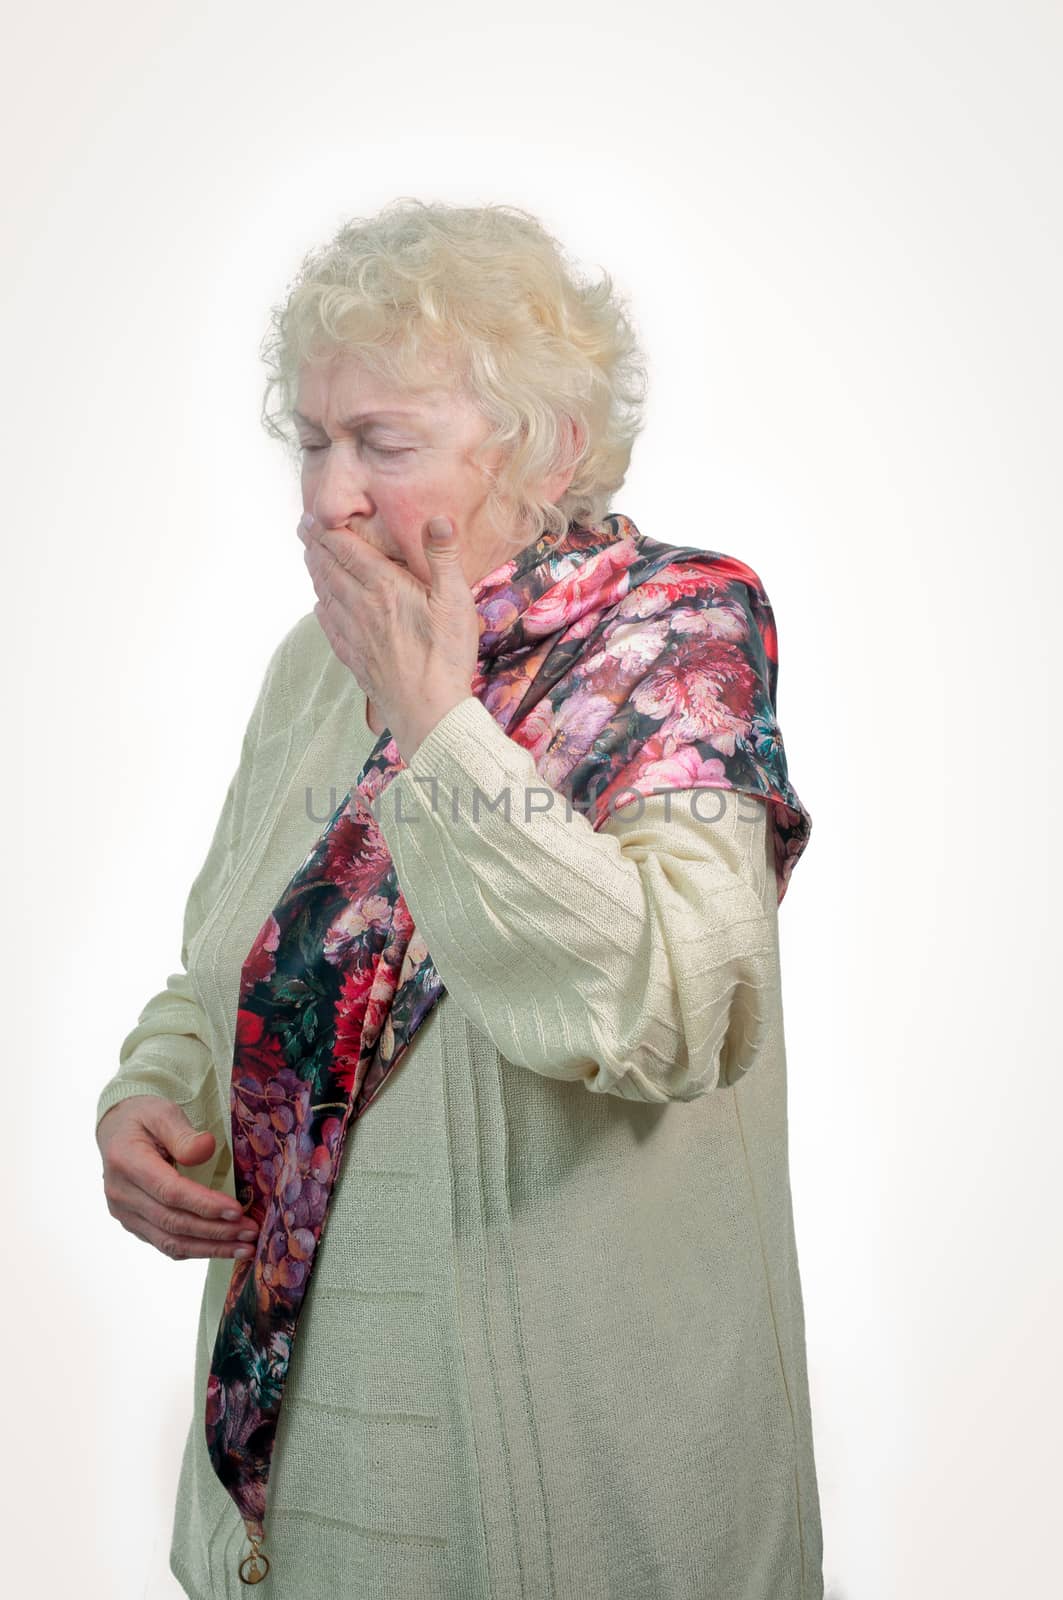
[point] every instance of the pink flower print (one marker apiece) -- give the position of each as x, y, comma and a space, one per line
656, 768
624, 657
261, 958
685, 768
374, 782
727, 622
357, 858
495, 579
536, 729
378, 1004
416, 952
504, 694
670, 585
239, 1419
579, 721
599, 583
215, 1401
401, 921
258, 1052
351, 923
582, 626
498, 613
349, 1017
712, 704
634, 646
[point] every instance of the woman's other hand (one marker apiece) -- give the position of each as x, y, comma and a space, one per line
140, 1139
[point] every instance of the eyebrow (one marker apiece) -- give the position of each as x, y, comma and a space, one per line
351, 422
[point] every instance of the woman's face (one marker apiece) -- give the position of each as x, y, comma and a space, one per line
382, 461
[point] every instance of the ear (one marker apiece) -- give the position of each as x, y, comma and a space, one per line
573, 440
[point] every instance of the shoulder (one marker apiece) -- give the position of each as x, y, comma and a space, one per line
303, 649
725, 568
304, 644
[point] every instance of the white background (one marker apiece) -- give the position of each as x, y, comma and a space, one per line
839, 226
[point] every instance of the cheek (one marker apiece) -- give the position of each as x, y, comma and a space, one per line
406, 509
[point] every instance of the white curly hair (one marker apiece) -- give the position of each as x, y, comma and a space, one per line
485, 294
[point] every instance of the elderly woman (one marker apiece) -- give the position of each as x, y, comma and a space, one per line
533, 1326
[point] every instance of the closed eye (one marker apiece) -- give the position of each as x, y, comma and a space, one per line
381, 450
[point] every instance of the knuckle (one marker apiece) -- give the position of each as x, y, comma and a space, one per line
168, 1222
114, 1162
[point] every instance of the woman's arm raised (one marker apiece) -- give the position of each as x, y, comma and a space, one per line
638, 959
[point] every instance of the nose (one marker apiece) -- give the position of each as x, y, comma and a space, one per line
338, 489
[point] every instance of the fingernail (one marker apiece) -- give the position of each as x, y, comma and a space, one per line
232, 1216
306, 520
244, 1250
248, 1233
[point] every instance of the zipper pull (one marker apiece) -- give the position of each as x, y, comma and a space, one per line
250, 1570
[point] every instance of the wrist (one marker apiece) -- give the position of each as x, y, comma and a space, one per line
411, 730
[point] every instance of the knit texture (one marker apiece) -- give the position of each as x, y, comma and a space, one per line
554, 1341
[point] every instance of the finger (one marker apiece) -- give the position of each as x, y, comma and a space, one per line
333, 627
125, 1200
180, 1247
344, 606
144, 1166
449, 586
346, 558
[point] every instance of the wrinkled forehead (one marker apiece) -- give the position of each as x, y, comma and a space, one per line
363, 380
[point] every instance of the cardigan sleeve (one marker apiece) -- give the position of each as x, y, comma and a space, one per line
167, 1053
640, 960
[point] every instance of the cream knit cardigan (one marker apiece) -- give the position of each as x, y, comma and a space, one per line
553, 1346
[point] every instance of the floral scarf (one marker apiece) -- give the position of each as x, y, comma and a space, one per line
625, 667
